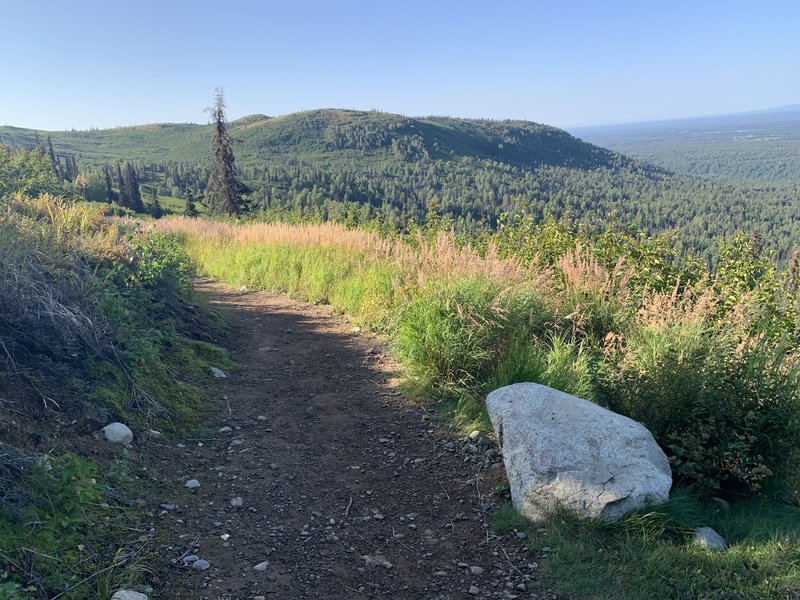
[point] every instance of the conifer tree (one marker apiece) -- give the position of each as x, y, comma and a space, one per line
134, 195
123, 190
54, 162
224, 190
191, 208
110, 195
155, 205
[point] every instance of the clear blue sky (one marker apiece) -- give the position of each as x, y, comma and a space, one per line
90, 63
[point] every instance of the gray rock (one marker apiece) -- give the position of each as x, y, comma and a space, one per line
560, 450
377, 560
218, 373
201, 565
118, 433
192, 484
709, 539
187, 560
128, 595
262, 566
721, 504
225, 429
476, 570
474, 591
236, 502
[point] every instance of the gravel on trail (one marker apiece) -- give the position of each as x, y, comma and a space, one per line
318, 480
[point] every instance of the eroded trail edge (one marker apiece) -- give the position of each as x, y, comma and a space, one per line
317, 480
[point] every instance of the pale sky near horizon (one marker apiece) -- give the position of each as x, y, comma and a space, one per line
87, 63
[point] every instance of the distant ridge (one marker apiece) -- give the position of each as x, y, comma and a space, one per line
760, 145
330, 135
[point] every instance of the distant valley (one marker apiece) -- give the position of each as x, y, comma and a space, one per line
753, 146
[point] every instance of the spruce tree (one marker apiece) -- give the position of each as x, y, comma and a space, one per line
54, 162
123, 190
155, 205
132, 189
191, 208
224, 190
110, 195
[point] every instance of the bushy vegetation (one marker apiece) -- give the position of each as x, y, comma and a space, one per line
97, 324
707, 360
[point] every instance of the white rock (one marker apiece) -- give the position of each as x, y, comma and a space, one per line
236, 502
218, 373
262, 566
377, 560
128, 595
560, 450
192, 484
118, 433
710, 539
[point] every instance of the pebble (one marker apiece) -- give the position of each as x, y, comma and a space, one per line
709, 539
474, 435
201, 565
118, 433
128, 595
476, 570
474, 590
238, 501
192, 484
218, 373
167, 506
262, 566
522, 535
190, 559
377, 559
225, 429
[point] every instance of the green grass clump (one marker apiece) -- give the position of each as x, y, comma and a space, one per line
56, 528
651, 554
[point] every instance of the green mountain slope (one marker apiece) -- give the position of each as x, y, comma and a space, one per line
332, 136
358, 166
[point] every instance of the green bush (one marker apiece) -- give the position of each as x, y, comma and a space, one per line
725, 409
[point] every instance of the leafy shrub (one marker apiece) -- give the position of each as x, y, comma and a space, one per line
725, 409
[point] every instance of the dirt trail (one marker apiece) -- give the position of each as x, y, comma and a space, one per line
331, 466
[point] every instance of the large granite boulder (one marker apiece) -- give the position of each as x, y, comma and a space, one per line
560, 450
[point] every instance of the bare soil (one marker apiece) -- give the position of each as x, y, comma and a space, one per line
346, 489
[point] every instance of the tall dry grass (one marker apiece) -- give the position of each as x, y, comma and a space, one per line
440, 259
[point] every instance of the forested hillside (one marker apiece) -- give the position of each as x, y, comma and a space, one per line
391, 170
